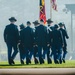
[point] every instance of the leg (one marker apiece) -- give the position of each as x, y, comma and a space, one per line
54, 54
15, 51
64, 53
60, 55
27, 56
9, 46
35, 55
40, 54
22, 53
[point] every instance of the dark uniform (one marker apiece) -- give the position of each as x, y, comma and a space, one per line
11, 37
28, 40
50, 29
65, 36
41, 41
36, 23
21, 45
57, 44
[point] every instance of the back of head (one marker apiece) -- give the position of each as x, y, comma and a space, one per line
41, 21
56, 26
28, 23
22, 26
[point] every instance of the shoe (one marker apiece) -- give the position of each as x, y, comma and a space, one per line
57, 61
36, 61
49, 61
63, 60
29, 61
11, 62
22, 62
42, 60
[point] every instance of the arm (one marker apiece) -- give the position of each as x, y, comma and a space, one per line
5, 34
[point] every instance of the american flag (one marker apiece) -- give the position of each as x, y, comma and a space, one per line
54, 5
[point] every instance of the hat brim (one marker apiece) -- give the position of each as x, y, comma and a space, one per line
12, 19
49, 21
35, 23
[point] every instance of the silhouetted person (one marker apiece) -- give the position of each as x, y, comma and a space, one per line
28, 40
21, 45
57, 44
50, 29
11, 37
41, 41
36, 23
65, 36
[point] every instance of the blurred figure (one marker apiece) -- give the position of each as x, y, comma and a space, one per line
57, 44
11, 37
28, 40
21, 45
41, 41
50, 24
36, 23
50, 29
65, 36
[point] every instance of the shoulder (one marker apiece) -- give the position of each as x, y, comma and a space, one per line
7, 26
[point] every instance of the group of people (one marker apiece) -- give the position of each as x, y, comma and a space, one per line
42, 42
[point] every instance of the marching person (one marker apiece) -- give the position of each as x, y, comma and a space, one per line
65, 36
57, 44
11, 37
28, 39
41, 41
21, 45
50, 29
50, 24
36, 23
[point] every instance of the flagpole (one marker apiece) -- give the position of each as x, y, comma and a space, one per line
50, 9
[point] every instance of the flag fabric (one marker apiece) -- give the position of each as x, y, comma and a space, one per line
42, 11
54, 5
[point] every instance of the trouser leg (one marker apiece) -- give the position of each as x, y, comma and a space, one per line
15, 51
40, 54
64, 52
9, 47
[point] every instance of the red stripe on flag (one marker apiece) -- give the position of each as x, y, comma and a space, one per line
42, 11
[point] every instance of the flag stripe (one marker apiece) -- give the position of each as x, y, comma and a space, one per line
42, 11
54, 5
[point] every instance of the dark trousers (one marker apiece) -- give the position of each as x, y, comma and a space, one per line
29, 52
22, 52
57, 53
35, 51
10, 54
64, 51
42, 52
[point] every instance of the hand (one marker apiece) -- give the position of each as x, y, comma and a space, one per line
48, 45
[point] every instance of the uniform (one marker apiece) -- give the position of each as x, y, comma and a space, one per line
28, 40
41, 41
57, 43
21, 45
65, 36
11, 37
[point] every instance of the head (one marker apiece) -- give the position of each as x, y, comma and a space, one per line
12, 20
41, 21
56, 26
28, 23
49, 22
36, 23
22, 26
61, 25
